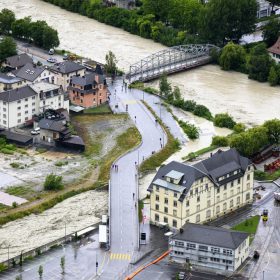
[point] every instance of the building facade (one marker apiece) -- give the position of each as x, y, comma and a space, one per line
88, 91
18, 106
181, 193
264, 9
211, 247
63, 72
10, 82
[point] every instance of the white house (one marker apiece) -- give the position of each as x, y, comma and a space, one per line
274, 51
211, 247
198, 193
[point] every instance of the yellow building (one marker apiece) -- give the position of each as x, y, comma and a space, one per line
201, 192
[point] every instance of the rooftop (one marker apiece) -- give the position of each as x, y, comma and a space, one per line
275, 48
29, 72
168, 185
54, 125
17, 94
18, 60
214, 236
175, 175
43, 86
67, 67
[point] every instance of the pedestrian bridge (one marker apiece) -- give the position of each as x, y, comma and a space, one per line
169, 61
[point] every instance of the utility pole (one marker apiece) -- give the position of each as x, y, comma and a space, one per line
96, 264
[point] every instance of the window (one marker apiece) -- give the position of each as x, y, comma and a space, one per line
227, 252
18, 102
174, 223
19, 121
4, 116
26, 106
175, 213
191, 246
225, 196
4, 109
166, 191
201, 180
225, 187
191, 192
19, 108
218, 190
238, 200
179, 243
232, 183
157, 188
208, 213
238, 181
208, 203
225, 206
157, 207
175, 194
197, 218
231, 203
208, 193
187, 203
215, 250
202, 259
247, 196
166, 200
197, 208
26, 118
248, 185
175, 203
33, 97
165, 219
215, 259
19, 114
187, 213
26, 112
178, 253
165, 209
198, 199
33, 104
156, 217
196, 190
26, 99
157, 198
238, 190
231, 193
4, 103
218, 209
248, 177
249, 167
202, 248
227, 261
218, 198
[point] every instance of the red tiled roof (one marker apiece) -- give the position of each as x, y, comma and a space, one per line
275, 48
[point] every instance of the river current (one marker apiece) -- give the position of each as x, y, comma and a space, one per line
248, 101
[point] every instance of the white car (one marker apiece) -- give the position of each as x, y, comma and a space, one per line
36, 131
51, 60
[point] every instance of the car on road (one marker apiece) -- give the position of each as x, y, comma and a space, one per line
181, 275
51, 60
36, 131
65, 56
51, 51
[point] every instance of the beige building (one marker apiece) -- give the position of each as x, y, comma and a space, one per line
64, 71
10, 82
211, 247
202, 192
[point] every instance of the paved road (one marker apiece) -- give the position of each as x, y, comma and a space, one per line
124, 182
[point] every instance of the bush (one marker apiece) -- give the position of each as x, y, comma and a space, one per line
61, 163
189, 105
15, 164
220, 141
259, 175
224, 120
239, 127
203, 111
53, 183
15, 205
7, 151
190, 129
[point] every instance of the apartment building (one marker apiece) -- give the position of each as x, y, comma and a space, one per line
18, 106
201, 192
89, 90
64, 71
264, 9
210, 247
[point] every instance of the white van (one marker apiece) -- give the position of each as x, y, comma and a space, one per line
51, 51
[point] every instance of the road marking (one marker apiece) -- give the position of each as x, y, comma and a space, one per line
130, 101
120, 257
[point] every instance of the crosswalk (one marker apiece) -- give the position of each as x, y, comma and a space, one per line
120, 257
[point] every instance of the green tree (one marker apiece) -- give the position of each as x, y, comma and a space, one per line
191, 130
50, 38
21, 28
273, 127
259, 63
7, 48
224, 120
271, 31
273, 78
239, 127
228, 20
7, 17
202, 111
220, 141
189, 105
233, 57
250, 141
53, 182
159, 8
62, 265
40, 271
111, 63
164, 86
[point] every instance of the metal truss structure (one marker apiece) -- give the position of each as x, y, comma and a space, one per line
169, 61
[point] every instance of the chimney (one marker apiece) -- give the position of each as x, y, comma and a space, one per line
181, 230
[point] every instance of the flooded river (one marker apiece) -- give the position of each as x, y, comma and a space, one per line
248, 101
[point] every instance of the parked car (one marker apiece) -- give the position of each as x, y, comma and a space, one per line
51, 51
256, 255
181, 275
65, 56
51, 60
35, 131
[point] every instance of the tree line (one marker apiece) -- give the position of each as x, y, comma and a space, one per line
38, 32
175, 22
